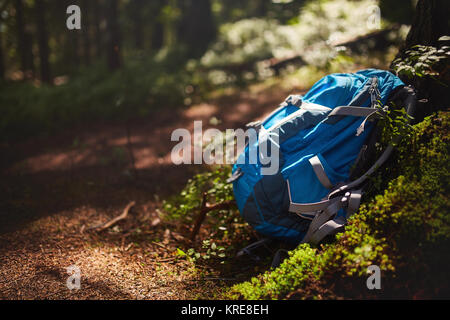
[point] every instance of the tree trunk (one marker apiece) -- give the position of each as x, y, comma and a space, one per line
138, 24
43, 42
73, 42
114, 41
197, 28
157, 36
261, 8
157, 40
2, 62
99, 17
85, 27
430, 23
20, 34
24, 46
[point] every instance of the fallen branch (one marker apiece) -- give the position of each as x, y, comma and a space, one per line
122, 216
204, 209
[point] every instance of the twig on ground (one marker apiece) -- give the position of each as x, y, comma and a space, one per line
204, 209
215, 279
108, 224
167, 259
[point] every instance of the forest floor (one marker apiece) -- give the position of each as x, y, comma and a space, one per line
54, 188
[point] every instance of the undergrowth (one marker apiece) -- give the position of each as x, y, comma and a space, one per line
141, 87
223, 231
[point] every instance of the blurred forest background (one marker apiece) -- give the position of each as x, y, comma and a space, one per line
133, 57
85, 123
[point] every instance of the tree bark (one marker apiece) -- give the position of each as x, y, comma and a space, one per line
85, 28
114, 40
431, 21
138, 24
157, 39
24, 45
44, 50
97, 27
20, 34
197, 28
2, 61
429, 24
261, 8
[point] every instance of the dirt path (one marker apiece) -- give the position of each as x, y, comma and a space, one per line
53, 189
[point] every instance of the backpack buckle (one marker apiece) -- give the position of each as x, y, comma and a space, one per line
295, 100
254, 125
236, 175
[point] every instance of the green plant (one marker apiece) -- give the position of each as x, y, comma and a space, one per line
422, 61
395, 124
213, 182
209, 250
138, 89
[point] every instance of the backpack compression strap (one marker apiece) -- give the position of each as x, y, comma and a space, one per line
350, 202
323, 211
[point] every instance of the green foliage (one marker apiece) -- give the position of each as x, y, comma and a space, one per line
396, 126
141, 87
302, 264
210, 250
404, 229
244, 41
151, 80
422, 61
225, 228
241, 45
188, 202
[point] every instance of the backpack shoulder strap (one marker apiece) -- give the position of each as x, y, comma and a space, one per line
408, 96
345, 197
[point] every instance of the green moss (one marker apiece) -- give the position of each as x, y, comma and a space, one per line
403, 227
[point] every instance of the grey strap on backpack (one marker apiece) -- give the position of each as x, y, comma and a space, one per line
353, 111
329, 228
354, 200
324, 224
308, 208
321, 218
320, 172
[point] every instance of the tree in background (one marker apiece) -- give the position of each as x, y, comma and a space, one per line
44, 51
69, 54
2, 59
157, 38
24, 43
398, 11
197, 27
113, 43
188, 26
85, 31
2, 54
111, 34
96, 24
137, 7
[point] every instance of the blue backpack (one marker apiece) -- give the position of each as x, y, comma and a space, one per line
319, 138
